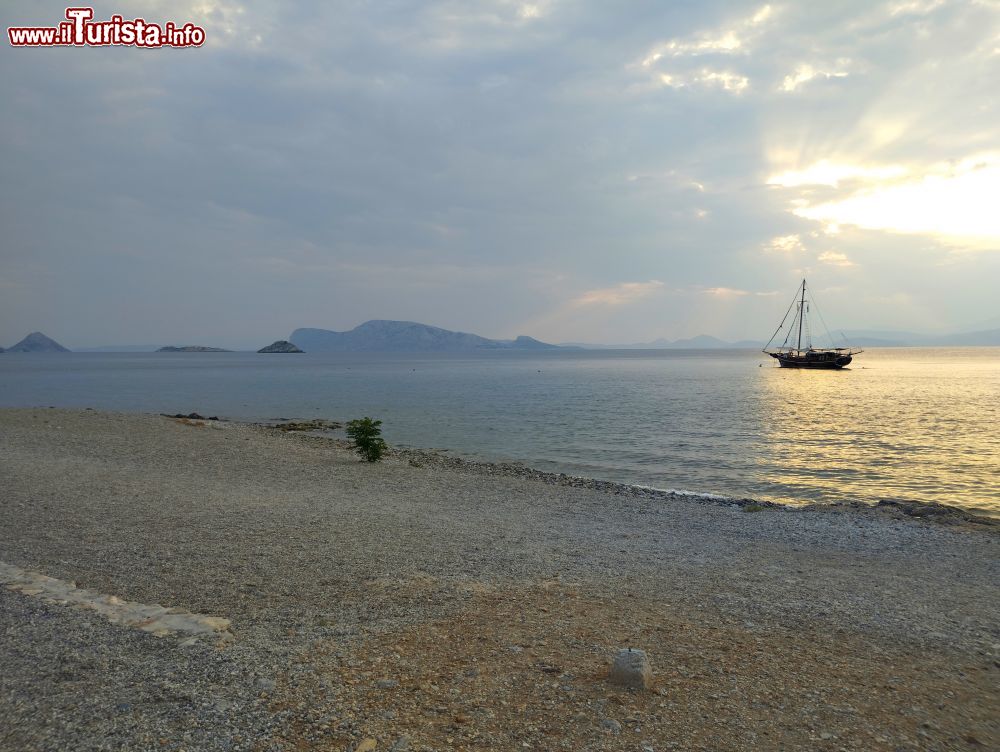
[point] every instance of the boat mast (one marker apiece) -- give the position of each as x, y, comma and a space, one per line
802, 312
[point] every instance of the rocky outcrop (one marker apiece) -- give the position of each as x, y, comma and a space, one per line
281, 346
37, 342
316, 424
191, 348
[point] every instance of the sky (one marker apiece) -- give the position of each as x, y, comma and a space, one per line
573, 171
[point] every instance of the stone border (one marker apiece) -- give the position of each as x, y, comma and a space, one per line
153, 618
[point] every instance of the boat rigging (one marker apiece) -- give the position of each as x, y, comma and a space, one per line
792, 354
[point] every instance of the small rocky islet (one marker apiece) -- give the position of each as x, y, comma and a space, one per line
281, 346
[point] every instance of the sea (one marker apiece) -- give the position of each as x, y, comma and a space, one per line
901, 423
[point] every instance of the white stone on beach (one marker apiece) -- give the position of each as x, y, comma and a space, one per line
631, 669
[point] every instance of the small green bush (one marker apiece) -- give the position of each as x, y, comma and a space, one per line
754, 508
367, 436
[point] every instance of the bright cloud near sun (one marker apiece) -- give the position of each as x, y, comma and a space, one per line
957, 203
785, 244
805, 73
835, 259
830, 173
732, 39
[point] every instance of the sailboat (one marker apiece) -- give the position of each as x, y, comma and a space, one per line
792, 354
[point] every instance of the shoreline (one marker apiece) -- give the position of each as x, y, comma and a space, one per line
935, 512
445, 604
927, 511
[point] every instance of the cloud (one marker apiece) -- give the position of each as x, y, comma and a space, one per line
620, 294
726, 79
531, 10
227, 24
725, 292
727, 42
785, 244
915, 7
834, 259
670, 177
724, 41
732, 293
706, 78
805, 73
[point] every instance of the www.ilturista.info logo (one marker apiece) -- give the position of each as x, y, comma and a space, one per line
79, 30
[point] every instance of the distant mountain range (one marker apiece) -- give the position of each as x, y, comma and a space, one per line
409, 336
859, 338
869, 338
699, 342
404, 336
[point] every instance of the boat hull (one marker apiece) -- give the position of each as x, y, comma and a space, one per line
805, 361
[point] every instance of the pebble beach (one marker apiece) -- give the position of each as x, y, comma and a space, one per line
427, 603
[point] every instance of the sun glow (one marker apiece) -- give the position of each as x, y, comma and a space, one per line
958, 203
833, 174
954, 202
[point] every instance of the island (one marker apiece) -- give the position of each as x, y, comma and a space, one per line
38, 342
281, 346
406, 336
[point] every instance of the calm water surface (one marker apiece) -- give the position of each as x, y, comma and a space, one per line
920, 424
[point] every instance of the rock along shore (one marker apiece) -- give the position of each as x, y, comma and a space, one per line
433, 603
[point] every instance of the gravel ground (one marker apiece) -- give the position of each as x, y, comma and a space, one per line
424, 603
